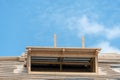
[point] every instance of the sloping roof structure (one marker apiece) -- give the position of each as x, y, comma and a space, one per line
41, 63
12, 68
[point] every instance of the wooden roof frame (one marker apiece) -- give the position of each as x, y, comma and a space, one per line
61, 52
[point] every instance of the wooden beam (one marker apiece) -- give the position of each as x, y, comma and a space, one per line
55, 42
83, 42
64, 55
29, 63
67, 63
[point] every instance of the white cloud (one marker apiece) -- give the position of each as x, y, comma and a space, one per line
88, 26
107, 48
113, 32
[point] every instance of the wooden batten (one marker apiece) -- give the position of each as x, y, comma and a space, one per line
55, 42
83, 42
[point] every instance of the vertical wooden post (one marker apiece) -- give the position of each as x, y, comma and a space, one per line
29, 64
83, 42
55, 41
91, 64
60, 64
96, 62
29, 61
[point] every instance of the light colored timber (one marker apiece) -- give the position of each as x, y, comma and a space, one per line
83, 42
9, 58
55, 42
70, 63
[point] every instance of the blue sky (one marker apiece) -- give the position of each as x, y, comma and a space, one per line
34, 22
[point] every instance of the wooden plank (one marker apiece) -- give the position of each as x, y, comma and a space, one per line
45, 62
65, 54
60, 48
9, 58
70, 63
